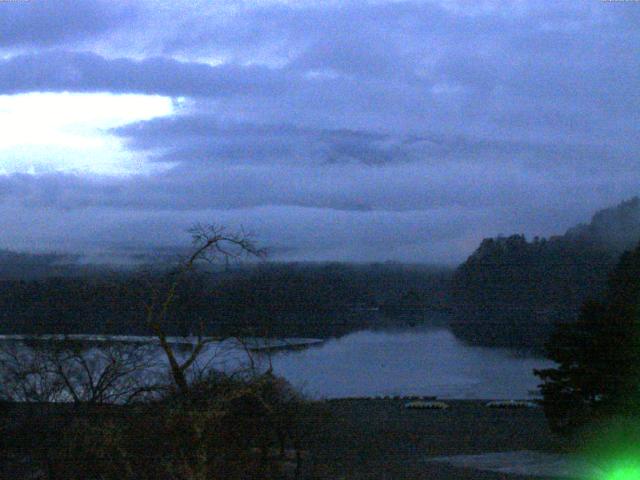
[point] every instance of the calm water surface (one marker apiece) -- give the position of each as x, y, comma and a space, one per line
426, 360
422, 360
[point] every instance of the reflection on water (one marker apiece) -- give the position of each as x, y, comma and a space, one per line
423, 360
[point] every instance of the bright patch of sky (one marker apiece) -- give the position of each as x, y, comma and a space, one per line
69, 132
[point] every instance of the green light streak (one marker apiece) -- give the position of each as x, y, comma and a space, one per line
628, 472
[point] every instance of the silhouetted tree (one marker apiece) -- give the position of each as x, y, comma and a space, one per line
598, 356
211, 243
71, 370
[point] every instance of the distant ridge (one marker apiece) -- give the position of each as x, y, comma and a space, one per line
510, 291
616, 228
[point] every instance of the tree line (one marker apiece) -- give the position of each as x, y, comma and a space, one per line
511, 291
281, 299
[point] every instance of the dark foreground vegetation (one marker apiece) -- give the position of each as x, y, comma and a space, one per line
598, 357
222, 428
355, 439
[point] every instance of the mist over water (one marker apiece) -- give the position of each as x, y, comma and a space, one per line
423, 360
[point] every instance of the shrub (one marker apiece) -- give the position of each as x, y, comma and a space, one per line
222, 428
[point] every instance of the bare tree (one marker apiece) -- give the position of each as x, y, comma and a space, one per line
213, 424
25, 375
212, 243
64, 369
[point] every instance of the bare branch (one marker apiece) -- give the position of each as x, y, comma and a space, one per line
211, 242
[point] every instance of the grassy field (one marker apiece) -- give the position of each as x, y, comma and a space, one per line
380, 439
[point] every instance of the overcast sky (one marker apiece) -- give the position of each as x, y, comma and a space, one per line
336, 130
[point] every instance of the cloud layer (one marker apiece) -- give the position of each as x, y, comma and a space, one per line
336, 130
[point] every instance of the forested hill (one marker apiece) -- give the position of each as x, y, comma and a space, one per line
511, 291
279, 299
616, 229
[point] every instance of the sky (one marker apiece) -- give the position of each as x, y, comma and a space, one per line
343, 130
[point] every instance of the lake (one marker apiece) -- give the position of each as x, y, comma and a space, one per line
422, 360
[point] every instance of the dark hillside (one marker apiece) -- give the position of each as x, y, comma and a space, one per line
511, 291
278, 299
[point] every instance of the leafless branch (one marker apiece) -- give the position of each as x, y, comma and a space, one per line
211, 243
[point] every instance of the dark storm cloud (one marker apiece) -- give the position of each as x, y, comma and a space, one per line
35, 23
88, 72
